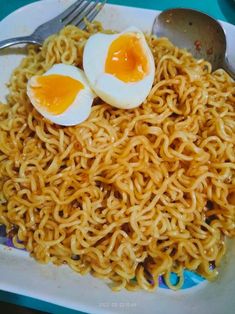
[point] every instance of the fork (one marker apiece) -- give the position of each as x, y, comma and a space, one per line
74, 14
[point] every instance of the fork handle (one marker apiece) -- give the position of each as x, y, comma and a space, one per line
19, 40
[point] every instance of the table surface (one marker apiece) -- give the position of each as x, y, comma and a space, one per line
219, 9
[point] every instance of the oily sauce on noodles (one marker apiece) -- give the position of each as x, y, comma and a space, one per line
128, 193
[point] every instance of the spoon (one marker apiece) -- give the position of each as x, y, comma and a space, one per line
197, 32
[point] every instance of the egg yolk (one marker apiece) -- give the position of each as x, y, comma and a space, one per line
126, 59
56, 92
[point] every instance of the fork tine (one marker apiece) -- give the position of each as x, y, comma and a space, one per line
77, 12
90, 17
85, 12
89, 11
69, 10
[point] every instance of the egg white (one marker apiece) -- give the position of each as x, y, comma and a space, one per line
79, 109
108, 87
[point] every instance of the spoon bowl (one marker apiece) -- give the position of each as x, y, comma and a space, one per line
197, 32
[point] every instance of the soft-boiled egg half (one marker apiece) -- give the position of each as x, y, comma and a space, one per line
62, 94
120, 68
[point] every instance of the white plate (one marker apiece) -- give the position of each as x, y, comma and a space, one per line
21, 274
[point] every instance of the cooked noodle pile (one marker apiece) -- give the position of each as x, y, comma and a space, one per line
127, 195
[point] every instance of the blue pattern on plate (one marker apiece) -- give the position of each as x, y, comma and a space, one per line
191, 279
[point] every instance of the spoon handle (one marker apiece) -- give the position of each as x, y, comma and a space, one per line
229, 68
